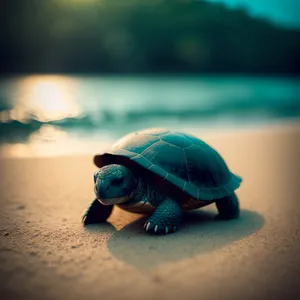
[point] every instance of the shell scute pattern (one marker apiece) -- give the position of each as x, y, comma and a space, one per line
159, 171
140, 159
177, 140
206, 172
192, 189
182, 159
138, 144
163, 154
195, 140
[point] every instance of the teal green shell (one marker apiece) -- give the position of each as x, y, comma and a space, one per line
182, 159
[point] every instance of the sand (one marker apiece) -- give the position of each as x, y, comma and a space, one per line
46, 253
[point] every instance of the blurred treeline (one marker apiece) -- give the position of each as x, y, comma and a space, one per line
141, 36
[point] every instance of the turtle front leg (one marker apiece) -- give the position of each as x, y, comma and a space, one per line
166, 218
96, 213
228, 207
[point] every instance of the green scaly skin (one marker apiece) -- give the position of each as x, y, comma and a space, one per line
165, 219
96, 213
167, 216
168, 213
228, 207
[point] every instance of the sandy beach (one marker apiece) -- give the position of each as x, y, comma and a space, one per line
46, 253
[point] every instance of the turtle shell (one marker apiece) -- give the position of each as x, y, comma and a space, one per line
184, 160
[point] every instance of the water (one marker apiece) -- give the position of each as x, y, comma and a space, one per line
54, 110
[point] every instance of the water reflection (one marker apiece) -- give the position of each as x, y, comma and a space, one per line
47, 133
65, 113
52, 141
45, 98
36, 102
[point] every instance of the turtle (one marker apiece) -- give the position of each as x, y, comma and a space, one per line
162, 173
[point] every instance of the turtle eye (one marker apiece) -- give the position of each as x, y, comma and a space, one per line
118, 181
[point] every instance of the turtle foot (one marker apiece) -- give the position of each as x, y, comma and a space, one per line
96, 213
159, 228
228, 207
165, 219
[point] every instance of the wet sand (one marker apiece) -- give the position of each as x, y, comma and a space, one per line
46, 253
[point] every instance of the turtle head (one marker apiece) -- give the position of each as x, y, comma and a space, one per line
113, 184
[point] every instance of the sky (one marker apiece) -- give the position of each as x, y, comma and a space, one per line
284, 12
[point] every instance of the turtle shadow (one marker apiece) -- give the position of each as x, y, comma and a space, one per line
200, 233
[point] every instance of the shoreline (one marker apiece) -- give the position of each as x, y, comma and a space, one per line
78, 145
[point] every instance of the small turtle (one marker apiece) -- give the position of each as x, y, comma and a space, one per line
164, 173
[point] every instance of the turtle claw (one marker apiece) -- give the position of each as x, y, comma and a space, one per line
86, 220
149, 226
157, 229
83, 219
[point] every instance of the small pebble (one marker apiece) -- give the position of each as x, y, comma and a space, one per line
21, 207
6, 234
157, 279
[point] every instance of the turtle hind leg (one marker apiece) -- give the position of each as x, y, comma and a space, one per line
228, 207
166, 218
96, 213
